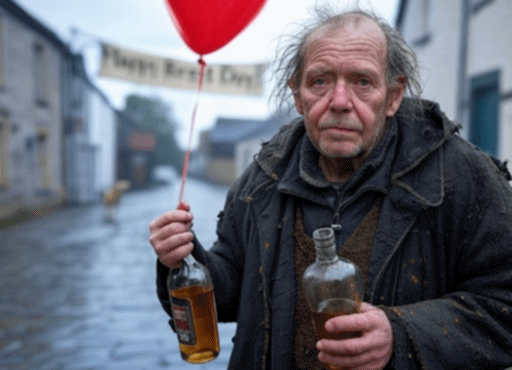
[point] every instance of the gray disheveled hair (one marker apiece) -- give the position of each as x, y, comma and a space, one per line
401, 59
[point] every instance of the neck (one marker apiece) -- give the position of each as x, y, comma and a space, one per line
338, 169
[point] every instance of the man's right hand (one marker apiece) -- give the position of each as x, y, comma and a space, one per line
170, 235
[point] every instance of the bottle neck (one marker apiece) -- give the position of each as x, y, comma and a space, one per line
326, 254
189, 259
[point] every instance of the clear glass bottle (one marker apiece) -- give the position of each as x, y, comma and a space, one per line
332, 285
194, 312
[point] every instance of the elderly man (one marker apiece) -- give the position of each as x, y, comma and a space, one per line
425, 215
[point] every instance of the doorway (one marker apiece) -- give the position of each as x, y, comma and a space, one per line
485, 105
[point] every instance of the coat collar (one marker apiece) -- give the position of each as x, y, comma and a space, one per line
422, 130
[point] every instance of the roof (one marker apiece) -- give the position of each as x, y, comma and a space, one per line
238, 129
31, 22
234, 129
78, 65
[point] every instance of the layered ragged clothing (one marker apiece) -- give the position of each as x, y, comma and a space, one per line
440, 264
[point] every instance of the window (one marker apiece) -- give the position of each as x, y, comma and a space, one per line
41, 152
2, 54
485, 107
424, 35
4, 151
76, 92
40, 75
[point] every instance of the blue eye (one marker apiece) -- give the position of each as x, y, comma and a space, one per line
364, 82
320, 81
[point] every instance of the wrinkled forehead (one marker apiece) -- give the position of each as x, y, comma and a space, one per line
351, 23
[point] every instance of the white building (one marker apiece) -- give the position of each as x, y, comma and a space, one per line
31, 62
465, 55
57, 131
103, 121
90, 138
226, 150
247, 147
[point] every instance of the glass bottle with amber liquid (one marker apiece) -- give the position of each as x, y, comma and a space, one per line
194, 312
332, 285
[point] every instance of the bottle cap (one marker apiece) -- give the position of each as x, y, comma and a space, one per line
323, 237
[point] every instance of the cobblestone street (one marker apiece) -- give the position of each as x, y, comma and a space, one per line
79, 293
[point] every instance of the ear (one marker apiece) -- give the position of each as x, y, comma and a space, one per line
395, 95
296, 95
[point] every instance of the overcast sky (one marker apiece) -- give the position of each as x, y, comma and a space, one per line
145, 25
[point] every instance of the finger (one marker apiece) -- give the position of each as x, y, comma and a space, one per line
168, 217
174, 258
366, 361
372, 323
176, 240
183, 206
357, 322
162, 241
175, 248
350, 353
165, 244
171, 229
367, 341
161, 220
361, 321
345, 347
375, 340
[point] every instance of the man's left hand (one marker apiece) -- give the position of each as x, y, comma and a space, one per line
371, 351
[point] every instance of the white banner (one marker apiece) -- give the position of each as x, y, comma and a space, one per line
148, 69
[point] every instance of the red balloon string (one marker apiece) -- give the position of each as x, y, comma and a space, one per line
202, 65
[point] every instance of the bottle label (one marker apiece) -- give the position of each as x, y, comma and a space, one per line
183, 323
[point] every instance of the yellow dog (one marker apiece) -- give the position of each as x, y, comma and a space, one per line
112, 196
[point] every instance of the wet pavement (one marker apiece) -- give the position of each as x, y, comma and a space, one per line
78, 293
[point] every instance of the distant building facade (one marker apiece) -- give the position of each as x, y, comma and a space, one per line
58, 132
90, 139
31, 64
136, 156
465, 54
247, 147
220, 147
229, 147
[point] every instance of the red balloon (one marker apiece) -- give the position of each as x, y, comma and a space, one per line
208, 25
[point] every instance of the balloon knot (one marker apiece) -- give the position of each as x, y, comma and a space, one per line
201, 61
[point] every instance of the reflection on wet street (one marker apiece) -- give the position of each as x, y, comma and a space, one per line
79, 293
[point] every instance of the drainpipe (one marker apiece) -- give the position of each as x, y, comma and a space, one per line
462, 83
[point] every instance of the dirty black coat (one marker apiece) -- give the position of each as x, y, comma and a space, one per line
441, 260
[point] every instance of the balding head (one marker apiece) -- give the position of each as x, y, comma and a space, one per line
400, 60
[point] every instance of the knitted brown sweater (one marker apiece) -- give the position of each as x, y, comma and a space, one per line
357, 249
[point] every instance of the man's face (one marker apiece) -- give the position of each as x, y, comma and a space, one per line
343, 94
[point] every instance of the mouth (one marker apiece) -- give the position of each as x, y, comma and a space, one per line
341, 125
339, 130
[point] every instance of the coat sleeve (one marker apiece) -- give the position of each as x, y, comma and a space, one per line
468, 326
224, 261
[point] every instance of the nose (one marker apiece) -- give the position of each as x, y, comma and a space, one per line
341, 97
